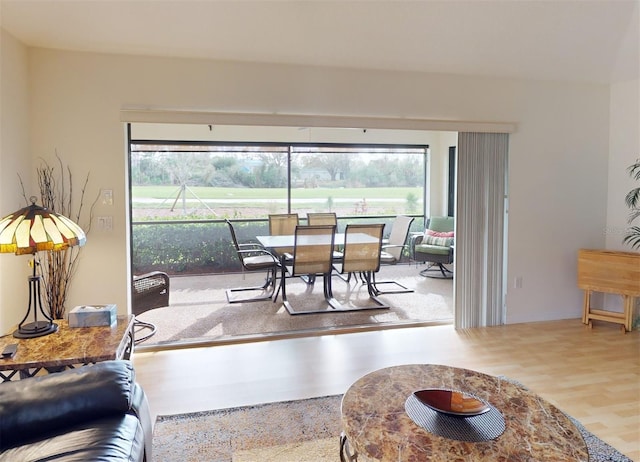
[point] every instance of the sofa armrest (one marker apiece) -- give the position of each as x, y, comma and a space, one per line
38, 405
140, 408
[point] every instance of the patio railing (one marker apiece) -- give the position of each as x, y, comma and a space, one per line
182, 247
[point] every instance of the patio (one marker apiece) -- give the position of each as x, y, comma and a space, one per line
198, 311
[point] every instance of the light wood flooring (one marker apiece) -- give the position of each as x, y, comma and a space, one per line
592, 374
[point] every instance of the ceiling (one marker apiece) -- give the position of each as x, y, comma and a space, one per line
568, 40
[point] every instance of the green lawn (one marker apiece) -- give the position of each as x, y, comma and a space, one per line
171, 192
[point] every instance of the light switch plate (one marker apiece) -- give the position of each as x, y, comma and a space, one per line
107, 196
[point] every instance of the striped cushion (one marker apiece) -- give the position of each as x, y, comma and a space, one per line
435, 240
441, 238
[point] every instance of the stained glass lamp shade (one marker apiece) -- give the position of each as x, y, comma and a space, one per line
28, 231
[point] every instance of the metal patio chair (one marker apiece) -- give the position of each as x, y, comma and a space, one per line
253, 258
326, 218
392, 250
312, 256
363, 257
281, 224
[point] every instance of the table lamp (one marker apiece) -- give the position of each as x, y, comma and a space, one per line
27, 231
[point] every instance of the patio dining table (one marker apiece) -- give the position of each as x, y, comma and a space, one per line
289, 240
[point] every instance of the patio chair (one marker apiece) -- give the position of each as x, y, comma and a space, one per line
392, 250
253, 258
435, 247
281, 224
312, 255
322, 218
393, 247
363, 257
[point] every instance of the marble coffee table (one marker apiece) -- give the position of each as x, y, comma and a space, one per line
378, 427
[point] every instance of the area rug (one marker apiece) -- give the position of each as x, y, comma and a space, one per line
291, 431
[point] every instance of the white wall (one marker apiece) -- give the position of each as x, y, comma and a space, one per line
558, 156
624, 149
15, 158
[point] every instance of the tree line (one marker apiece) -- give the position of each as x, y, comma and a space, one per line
269, 170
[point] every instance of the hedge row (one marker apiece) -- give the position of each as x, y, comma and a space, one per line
200, 248
193, 248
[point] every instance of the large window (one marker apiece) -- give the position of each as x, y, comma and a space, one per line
209, 180
181, 193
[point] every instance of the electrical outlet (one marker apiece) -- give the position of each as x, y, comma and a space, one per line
105, 223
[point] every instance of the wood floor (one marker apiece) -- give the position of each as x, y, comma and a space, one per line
592, 374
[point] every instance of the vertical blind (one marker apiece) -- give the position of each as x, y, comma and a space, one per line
480, 225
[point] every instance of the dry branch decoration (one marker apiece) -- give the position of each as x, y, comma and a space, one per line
57, 195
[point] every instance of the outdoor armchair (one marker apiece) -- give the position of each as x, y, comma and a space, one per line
150, 290
435, 247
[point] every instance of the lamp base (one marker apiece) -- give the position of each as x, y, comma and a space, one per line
35, 329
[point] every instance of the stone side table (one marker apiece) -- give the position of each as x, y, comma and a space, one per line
68, 347
378, 428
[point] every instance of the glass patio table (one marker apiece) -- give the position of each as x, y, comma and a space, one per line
289, 240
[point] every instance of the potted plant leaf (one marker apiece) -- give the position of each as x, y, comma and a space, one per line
632, 200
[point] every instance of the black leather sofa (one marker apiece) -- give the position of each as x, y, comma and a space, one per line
92, 413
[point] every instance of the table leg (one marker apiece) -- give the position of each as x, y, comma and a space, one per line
585, 306
628, 312
345, 450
